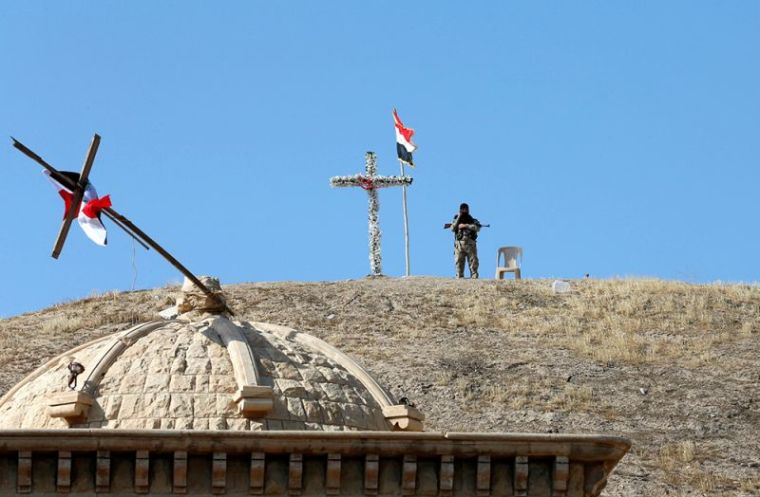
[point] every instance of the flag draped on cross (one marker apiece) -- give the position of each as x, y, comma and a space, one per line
88, 213
404, 145
82, 201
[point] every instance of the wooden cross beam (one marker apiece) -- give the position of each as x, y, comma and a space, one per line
371, 182
78, 193
122, 222
71, 185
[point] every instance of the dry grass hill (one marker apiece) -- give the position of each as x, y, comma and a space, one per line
675, 367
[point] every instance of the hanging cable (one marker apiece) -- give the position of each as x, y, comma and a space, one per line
134, 265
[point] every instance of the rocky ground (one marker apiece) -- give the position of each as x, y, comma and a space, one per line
672, 366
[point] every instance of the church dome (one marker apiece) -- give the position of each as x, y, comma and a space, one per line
213, 373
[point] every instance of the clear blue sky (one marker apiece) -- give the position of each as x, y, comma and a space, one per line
611, 138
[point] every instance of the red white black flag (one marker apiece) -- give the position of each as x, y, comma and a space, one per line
88, 212
404, 145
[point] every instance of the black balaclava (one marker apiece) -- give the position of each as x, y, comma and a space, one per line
465, 217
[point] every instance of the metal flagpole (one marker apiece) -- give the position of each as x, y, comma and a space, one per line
406, 220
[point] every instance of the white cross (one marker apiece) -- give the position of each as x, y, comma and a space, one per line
371, 182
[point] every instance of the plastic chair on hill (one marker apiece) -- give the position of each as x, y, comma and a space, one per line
512, 258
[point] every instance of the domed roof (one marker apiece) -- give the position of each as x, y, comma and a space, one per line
213, 373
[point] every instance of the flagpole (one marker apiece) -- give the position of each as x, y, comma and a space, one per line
406, 220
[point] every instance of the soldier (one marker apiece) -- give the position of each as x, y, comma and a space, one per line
465, 228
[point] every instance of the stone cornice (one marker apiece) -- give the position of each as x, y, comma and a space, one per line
576, 447
128, 463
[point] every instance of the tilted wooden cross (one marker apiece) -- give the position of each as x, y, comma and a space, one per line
78, 191
371, 182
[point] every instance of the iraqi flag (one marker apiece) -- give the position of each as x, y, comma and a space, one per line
88, 212
404, 145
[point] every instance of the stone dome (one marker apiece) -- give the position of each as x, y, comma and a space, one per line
213, 373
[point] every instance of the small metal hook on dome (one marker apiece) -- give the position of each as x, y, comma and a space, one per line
75, 369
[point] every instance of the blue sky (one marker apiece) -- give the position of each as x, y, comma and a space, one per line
610, 138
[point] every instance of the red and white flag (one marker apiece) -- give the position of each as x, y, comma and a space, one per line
88, 212
404, 145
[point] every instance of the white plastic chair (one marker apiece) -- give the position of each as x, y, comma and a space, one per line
512, 258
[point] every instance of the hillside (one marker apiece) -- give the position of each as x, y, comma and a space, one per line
674, 367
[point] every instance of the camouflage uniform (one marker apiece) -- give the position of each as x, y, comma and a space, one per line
465, 246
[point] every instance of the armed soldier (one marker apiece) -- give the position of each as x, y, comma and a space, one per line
465, 228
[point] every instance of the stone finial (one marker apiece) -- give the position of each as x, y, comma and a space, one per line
192, 298
404, 417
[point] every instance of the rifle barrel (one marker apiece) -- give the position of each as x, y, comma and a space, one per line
448, 225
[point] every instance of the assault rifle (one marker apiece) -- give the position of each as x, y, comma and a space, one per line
448, 226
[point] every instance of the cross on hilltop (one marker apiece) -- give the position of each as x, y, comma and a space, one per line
370, 182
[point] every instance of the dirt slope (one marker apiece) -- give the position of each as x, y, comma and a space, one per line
674, 367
